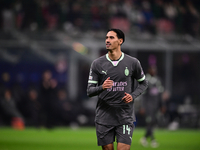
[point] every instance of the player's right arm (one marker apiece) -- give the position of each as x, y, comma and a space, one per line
93, 87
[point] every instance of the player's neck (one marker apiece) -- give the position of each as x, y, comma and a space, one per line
114, 55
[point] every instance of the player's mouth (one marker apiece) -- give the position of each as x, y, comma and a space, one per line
108, 44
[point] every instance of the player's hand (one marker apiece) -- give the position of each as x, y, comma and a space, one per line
127, 98
107, 83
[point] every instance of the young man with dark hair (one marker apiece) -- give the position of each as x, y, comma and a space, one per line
112, 78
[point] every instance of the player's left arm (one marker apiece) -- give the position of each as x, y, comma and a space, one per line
142, 82
142, 86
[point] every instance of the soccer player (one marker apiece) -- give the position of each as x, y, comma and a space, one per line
152, 103
112, 77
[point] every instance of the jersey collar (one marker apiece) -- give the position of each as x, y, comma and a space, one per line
117, 61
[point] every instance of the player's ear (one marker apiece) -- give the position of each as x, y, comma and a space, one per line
120, 41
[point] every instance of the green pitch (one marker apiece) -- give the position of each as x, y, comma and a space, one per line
85, 139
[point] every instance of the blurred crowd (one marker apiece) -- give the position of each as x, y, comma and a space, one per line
46, 105
135, 16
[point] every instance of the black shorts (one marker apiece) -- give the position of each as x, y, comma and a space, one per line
106, 134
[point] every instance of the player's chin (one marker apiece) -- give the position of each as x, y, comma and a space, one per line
109, 49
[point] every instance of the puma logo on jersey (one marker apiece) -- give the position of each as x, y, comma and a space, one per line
104, 72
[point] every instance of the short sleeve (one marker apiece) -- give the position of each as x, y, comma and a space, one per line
138, 72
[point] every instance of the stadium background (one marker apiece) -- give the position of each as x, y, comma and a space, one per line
64, 36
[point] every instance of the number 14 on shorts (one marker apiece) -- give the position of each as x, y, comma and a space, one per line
126, 128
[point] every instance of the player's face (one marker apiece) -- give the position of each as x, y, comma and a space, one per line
112, 41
